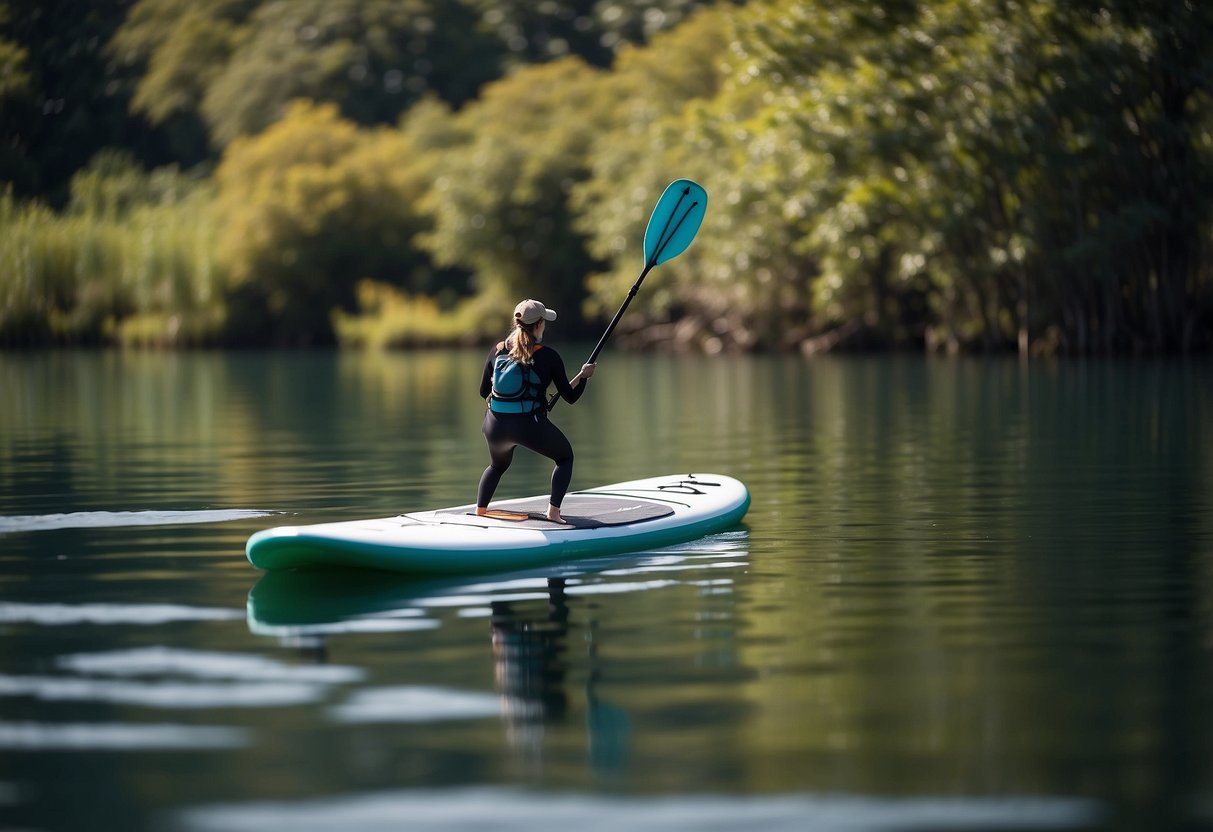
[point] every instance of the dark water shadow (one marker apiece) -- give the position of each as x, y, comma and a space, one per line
327, 601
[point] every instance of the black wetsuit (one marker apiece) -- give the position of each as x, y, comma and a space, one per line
506, 431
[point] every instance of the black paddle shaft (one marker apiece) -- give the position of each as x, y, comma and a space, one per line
610, 327
658, 250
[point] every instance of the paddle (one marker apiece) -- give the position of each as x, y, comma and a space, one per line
672, 226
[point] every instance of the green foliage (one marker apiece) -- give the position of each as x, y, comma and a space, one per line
15, 88
183, 45
113, 186
960, 174
388, 318
14, 78
61, 106
235, 65
740, 285
500, 198
206, 72
1029, 176
535, 32
88, 276
309, 208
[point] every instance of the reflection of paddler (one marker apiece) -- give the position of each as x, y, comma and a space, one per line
314, 649
529, 667
608, 726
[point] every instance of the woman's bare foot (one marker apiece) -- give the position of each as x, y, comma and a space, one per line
554, 514
481, 511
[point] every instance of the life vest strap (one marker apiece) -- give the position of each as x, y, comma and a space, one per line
528, 406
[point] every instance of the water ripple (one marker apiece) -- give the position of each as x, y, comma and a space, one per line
41, 736
152, 661
12, 612
506, 810
122, 519
415, 704
165, 695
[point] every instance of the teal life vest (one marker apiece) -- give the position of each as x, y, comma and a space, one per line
515, 387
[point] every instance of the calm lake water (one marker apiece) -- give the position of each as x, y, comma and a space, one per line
969, 594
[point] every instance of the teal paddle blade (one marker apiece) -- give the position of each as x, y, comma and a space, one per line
674, 222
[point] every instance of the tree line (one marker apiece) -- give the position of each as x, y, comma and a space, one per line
949, 174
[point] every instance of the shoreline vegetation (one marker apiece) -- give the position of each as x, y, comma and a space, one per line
944, 176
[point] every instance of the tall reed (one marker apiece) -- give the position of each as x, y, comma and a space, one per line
148, 275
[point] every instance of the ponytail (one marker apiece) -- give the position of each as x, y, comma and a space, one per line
521, 342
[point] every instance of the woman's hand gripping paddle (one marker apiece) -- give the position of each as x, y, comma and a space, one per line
672, 226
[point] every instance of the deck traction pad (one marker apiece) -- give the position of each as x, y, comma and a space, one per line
580, 512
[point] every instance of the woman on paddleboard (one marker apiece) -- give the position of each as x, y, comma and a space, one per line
515, 382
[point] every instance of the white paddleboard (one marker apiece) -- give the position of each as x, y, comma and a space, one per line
627, 516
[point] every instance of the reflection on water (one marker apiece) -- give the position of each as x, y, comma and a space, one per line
530, 672
530, 619
184, 679
508, 810
533, 622
156, 661
969, 595
529, 667
113, 736
413, 704
170, 695
14, 612
119, 519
